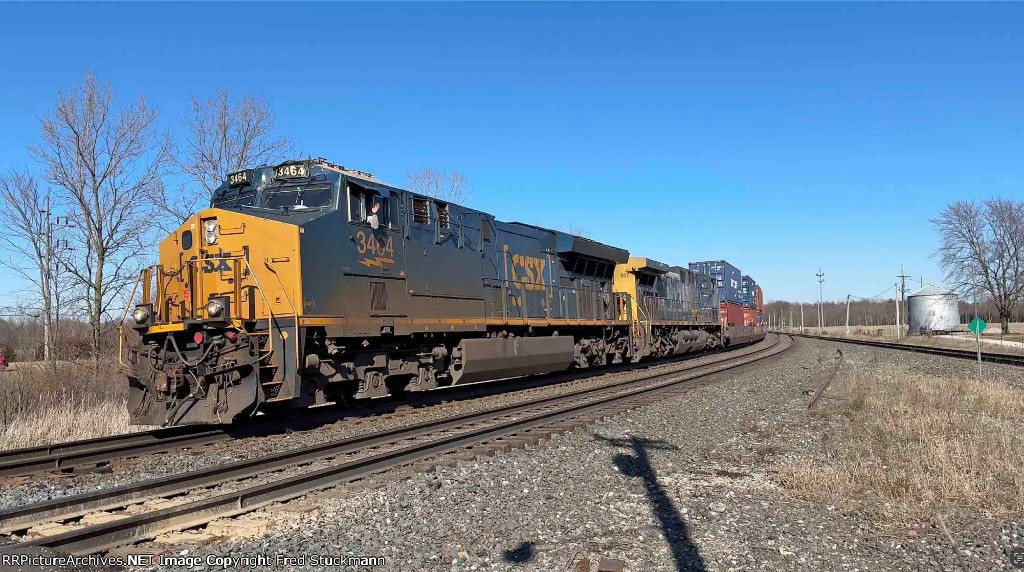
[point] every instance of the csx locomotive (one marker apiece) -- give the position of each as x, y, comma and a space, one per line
307, 283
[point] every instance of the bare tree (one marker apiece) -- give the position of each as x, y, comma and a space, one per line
451, 187
982, 251
573, 229
28, 238
105, 160
221, 137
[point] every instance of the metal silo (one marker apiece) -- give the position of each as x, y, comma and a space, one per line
932, 309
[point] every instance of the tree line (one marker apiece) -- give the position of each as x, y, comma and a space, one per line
102, 183
870, 313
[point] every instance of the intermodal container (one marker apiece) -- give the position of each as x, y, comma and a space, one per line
759, 299
747, 292
749, 317
729, 279
731, 313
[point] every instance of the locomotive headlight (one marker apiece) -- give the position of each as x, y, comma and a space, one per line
141, 314
215, 307
211, 230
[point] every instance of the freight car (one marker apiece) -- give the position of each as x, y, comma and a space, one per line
308, 282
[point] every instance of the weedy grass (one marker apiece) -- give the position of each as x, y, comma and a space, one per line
917, 443
41, 405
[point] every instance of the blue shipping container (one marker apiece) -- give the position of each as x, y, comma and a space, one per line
747, 292
730, 279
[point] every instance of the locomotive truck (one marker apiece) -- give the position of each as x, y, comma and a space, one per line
307, 282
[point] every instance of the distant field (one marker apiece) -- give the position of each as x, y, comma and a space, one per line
1011, 343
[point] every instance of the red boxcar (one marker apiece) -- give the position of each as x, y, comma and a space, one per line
732, 314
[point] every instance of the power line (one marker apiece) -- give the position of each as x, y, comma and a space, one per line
876, 296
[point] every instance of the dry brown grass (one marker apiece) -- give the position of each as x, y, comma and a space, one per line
68, 421
41, 405
917, 444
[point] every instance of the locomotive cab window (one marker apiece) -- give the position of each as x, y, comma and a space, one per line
362, 203
298, 197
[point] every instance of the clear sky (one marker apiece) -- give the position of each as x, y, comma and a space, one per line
780, 137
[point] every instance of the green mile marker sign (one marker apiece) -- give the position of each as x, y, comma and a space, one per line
977, 325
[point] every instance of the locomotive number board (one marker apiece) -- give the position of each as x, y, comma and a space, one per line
239, 178
292, 171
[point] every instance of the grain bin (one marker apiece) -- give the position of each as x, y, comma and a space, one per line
932, 309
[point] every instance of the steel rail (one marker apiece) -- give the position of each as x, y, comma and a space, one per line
100, 537
114, 451
65, 456
992, 357
77, 505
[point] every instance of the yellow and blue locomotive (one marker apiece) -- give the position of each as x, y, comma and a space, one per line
307, 283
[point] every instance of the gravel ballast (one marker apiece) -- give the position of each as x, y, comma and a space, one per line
687, 484
19, 491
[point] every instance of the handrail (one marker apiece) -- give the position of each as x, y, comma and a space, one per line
120, 325
295, 312
272, 318
509, 287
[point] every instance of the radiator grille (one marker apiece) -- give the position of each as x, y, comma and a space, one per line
442, 215
421, 211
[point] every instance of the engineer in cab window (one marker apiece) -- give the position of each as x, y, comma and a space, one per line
372, 218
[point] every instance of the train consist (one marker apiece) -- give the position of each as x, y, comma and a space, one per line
307, 283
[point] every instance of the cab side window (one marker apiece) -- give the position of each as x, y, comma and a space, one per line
394, 215
361, 206
355, 204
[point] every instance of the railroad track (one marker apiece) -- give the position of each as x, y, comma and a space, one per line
301, 471
93, 452
73, 454
1008, 359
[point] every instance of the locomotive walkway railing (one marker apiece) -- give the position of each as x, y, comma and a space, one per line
526, 300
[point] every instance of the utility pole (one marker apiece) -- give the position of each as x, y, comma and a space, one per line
977, 335
47, 284
49, 289
896, 287
791, 318
821, 298
903, 296
847, 314
801, 317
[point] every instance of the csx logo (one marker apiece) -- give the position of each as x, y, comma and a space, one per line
213, 265
532, 271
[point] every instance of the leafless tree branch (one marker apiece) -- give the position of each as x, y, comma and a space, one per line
222, 136
451, 187
981, 251
106, 162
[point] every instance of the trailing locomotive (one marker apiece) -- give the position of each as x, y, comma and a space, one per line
307, 283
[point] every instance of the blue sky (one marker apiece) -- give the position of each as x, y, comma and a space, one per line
780, 137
